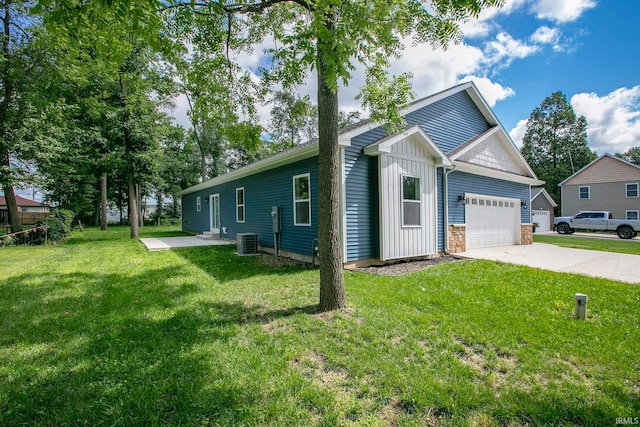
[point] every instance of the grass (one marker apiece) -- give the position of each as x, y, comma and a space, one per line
607, 245
99, 331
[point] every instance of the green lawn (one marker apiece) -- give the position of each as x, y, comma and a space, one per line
98, 331
591, 243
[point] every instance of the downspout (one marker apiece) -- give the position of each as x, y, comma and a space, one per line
445, 202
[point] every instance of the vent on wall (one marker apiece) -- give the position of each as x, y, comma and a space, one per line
247, 243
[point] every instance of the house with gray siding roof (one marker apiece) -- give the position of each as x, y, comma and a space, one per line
451, 180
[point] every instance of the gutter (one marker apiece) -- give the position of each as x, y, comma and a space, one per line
445, 210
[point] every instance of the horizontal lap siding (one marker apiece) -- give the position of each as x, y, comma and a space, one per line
262, 191
362, 204
450, 122
461, 182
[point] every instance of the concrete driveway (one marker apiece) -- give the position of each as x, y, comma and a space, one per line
608, 265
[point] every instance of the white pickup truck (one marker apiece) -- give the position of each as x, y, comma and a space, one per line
597, 221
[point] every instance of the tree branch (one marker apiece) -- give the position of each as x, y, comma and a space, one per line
231, 8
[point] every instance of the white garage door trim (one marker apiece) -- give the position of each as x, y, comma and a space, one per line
491, 221
543, 218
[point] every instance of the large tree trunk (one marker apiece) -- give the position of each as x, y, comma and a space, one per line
103, 202
131, 173
12, 207
5, 105
330, 249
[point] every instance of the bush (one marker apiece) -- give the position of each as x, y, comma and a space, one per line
59, 224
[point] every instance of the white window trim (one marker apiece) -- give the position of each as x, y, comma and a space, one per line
588, 187
244, 201
402, 200
198, 204
627, 215
295, 211
626, 190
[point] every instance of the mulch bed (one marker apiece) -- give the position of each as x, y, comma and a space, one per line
405, 267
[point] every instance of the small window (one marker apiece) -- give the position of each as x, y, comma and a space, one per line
632, 215
583, 192
583, 215
302, 200
240, 204
198, 204
632, 190
411, 201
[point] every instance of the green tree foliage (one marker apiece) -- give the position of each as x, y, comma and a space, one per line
555, 142
291, 117
631, 155
25, 74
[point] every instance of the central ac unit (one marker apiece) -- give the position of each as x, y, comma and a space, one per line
247, 243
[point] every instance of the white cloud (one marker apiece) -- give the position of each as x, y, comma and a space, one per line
562, 10
517, 133
545, 35
504, 49
492, 92
483, 25
613, 120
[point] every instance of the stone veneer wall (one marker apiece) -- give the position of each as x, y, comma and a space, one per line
526, 234
457, 238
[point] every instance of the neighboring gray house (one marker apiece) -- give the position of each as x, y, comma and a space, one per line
606, 184
542, 206
451, 180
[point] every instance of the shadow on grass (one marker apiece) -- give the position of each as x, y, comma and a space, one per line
127, 350
224, 264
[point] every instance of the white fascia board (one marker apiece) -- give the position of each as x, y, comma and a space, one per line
483, 137
254, 168
493, 173
546, 196
510, 145
384, 146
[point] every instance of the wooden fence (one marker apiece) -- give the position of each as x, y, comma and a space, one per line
26, 218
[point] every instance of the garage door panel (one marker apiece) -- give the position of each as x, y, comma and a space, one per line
491, 221
543, 218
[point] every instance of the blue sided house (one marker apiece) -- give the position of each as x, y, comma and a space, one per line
452, 180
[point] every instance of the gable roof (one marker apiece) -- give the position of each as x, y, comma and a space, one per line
415, 133
535, 192
606, 156
523, 174
493, 149
21, 201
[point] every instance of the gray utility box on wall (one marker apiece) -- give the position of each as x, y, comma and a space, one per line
247, 243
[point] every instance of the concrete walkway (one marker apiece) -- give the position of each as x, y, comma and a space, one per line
164, 243
608, 265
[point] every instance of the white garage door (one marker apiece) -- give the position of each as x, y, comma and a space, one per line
491, 221
543, 218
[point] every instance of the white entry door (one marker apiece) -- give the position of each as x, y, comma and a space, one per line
491, 221
214, 213
543, 218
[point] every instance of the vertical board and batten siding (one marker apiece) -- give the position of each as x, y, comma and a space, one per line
461, 182
262, 191
450, 122
440, 209
398, 241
